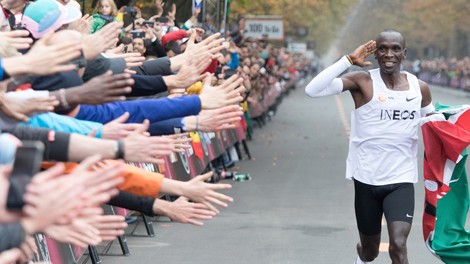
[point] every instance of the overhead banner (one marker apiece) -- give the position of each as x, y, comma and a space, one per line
271, 28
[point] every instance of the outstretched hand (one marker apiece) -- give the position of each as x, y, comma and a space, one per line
77, 233
206, 193
103, 39
104, 88
219, 119
46, 57
359, 55
19, 108
191, 72
119, 129
183, 211
141, 148
133, 59
228, 93
212, 45
19, 39
109, 226
181, 141
50, 196
83, 25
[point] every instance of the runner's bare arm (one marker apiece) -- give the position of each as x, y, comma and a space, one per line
426, 102
426, 93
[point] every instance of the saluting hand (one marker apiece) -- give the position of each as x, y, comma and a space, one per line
362, 52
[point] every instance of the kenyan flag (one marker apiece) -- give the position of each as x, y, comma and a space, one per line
445, 138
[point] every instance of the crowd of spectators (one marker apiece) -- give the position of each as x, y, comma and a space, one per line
449, 72
82, 97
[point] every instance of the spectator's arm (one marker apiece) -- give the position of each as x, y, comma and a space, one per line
59, 146
145, 85
160, 66
156, 47
65, 124
41, 59
165, 127
133, 202
174, 36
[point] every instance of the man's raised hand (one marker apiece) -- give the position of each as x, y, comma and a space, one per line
359, 55
228, 93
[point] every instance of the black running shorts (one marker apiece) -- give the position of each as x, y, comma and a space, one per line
395, 201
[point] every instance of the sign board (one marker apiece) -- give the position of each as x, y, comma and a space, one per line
297, 47
272, 28
309, 54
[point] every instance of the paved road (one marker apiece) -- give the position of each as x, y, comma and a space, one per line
298, 208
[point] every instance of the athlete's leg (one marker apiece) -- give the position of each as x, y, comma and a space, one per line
368, 247
398, 210
398, 232
369, 210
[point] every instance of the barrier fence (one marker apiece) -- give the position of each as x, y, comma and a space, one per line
205, 148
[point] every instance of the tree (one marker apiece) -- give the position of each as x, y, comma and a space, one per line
441, 26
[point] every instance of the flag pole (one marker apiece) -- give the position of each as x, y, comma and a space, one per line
224, 22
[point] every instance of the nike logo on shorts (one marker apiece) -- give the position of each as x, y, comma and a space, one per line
409, 216
411, 99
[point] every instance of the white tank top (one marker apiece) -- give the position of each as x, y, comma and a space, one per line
383, 144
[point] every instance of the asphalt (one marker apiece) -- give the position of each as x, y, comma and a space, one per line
297, 207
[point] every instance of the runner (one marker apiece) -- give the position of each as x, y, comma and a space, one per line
383, 146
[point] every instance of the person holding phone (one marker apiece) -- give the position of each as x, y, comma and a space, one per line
152, 39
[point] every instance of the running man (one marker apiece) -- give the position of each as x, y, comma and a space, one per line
382, 158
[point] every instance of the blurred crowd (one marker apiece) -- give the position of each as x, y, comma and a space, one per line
450, 72
83, 97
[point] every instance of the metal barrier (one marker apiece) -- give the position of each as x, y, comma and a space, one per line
178, 166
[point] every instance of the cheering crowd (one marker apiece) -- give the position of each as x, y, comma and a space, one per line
449, 72
81, 97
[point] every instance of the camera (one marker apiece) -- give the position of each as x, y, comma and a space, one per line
137, 34
131, 11
149, 24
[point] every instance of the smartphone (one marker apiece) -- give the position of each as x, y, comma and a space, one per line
130, 10
137, 34
27, 163
149, 24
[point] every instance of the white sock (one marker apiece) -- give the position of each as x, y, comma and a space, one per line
359, 261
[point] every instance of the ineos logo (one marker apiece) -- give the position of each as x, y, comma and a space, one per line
397, 114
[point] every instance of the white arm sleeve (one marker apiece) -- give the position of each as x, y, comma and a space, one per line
427, 109
327, 82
